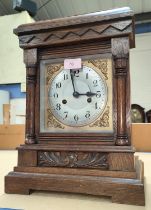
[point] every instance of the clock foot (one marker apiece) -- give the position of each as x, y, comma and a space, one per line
17, 188
131, 197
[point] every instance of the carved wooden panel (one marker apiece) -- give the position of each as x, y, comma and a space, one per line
120, 52
73, 159
30, 60
76, 33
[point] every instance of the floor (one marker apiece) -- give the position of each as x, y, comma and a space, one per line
61, 201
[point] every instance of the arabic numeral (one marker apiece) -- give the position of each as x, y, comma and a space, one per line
65, 76
96, 106
76, 73
66, 115
98, 94
55, 95
58, 107
87, 115
76, 118
58, 85
95, 83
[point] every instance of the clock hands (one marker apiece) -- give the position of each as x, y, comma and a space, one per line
89, 94
72, 79
77, 94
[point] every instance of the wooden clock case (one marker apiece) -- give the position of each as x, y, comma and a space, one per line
108, 167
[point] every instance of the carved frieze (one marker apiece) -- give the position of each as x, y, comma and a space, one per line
73, 159
76, 34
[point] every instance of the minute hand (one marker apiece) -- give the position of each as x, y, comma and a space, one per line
72, 80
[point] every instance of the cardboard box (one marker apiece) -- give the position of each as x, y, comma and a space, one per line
6, 114
141, 137
11, 136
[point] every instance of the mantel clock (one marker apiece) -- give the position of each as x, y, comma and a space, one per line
78, 128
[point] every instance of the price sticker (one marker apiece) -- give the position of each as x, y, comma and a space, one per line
72, 63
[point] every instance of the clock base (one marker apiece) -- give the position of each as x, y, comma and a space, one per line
121, 189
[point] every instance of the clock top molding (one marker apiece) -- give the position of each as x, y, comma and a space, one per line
82, 28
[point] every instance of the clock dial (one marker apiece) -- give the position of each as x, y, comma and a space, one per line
77, 98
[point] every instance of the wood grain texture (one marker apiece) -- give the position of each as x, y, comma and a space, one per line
66, 146
76, 34
121, 190
121, 161
27, 158
30, 59
114, 160
77, 171
120, 52
91, 18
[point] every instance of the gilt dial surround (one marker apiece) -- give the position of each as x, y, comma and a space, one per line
77, 97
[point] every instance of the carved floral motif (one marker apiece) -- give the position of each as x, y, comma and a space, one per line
73, 159
51, 121
51, 69
102, 121
102, 65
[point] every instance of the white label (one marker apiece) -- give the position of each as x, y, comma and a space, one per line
72, 63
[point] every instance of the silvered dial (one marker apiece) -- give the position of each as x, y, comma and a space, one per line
77, 98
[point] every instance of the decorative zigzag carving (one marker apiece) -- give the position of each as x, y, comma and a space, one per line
75, 34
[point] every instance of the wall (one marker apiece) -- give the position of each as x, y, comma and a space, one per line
11, 56
12, 71
140, 63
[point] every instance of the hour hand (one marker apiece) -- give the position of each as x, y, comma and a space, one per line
89, 94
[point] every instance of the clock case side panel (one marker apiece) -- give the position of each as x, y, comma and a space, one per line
102, 49
120, 55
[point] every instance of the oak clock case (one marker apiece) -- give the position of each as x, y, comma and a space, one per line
78, 128
76, 100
